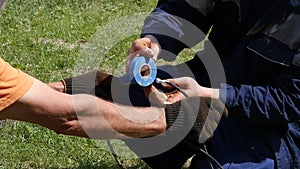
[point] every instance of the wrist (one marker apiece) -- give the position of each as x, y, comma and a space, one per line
59, 86
208, 92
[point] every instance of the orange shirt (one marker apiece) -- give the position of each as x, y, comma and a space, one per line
13, 84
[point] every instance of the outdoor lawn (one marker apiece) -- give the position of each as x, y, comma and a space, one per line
45, 39
51, 40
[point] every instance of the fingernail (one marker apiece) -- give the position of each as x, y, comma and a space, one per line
166, 102
149, 50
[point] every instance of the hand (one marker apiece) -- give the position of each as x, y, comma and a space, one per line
188, 86
208, 116
147, 46
58, 86
191, 88
155, 96
196, 115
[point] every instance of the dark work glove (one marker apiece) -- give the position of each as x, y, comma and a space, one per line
201, 115
96, 83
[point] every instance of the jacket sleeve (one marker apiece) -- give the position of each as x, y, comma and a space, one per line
277, 103
176, 25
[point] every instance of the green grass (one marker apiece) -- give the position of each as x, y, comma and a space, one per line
30, 31
29, 146
48, 40
45, 39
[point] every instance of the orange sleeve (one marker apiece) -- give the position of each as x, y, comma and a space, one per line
13, 84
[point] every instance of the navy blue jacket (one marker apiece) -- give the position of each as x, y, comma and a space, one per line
262, 75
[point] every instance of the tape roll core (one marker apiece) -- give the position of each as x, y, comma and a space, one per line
135, 70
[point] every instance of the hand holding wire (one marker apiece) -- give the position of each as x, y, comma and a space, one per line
160, 81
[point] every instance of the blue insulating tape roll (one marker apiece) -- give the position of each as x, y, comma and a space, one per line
135, 70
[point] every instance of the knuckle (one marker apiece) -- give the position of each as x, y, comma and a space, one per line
136, 43
58, 131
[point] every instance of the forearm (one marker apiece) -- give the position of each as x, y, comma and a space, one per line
263, 104
175, 25
137, 121
84, 115
110, 120
43, 106
273, 103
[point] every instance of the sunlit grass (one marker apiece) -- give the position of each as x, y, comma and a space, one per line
45, 39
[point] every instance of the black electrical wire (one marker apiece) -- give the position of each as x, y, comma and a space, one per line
115, 155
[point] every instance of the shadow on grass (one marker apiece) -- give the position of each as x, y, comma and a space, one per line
115, 166
112, 166
93, 165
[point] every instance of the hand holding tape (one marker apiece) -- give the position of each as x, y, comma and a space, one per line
137, 73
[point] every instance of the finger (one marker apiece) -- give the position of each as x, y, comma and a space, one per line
155, 96
147, 90
136, 47
171, 83
145, 52
174, 97
167, 86
139, 44
129, 60
177, 81
135, 50
74, 128
142, 46
184, 82
148, 52
154, 46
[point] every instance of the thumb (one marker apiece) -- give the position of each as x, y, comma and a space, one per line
155, 96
